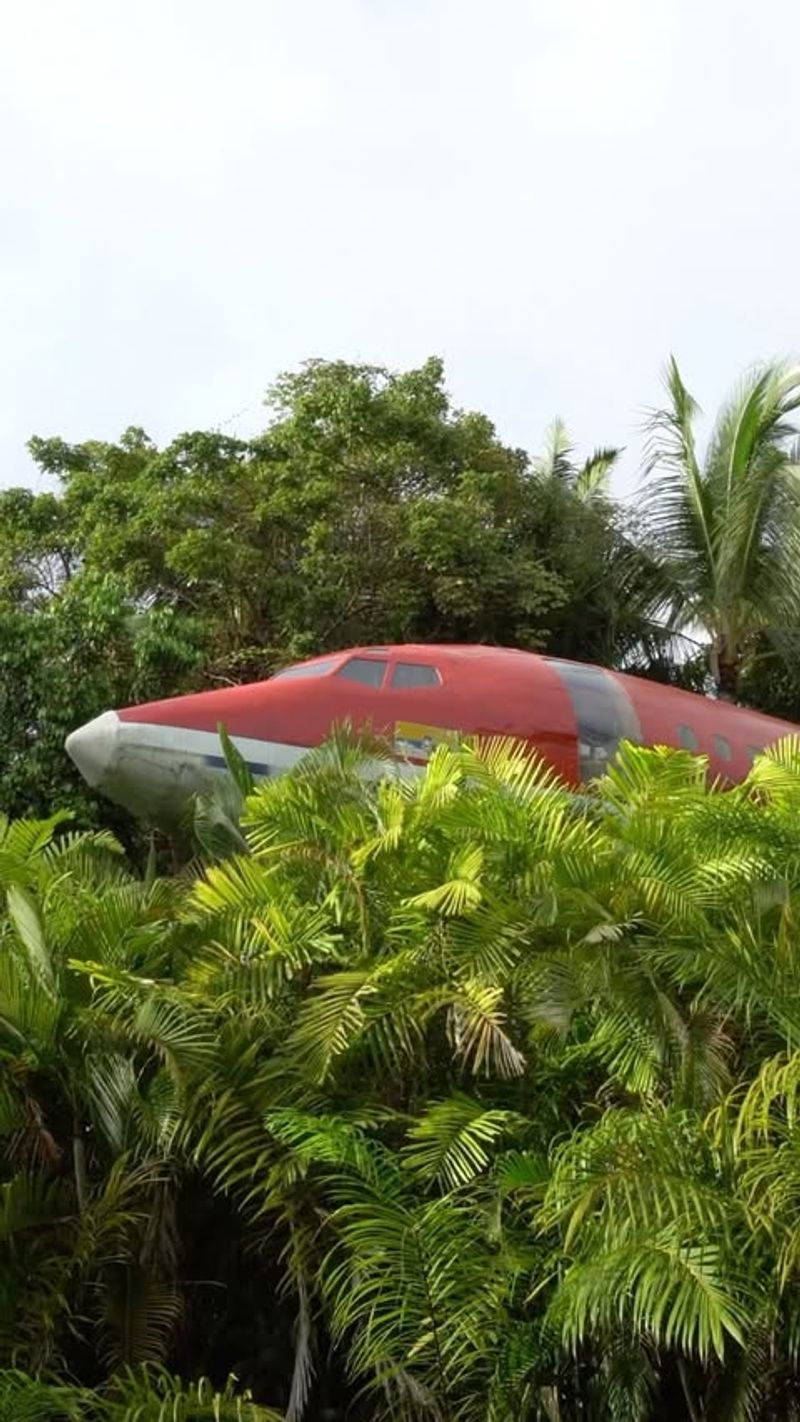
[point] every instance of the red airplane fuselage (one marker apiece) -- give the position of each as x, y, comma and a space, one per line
151, 757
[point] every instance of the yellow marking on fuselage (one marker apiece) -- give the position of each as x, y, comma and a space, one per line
413, 738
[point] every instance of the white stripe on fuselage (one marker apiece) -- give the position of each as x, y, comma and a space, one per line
264, 757
153, 769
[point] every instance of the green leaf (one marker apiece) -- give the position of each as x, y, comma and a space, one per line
27, 921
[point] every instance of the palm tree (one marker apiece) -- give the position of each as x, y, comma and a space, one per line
612, 613
424, 988
726, 527
556, 465
498, 1084
96, 1053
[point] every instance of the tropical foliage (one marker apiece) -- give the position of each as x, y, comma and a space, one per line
369, 509
727, 526
136, 1395
455, 1098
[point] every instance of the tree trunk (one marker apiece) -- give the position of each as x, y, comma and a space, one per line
727, 677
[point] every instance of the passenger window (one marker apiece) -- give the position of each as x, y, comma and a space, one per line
753, 751
722, 748
368, 670
409, 675
687, 738
603, 712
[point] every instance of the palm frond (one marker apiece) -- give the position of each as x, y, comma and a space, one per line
451, 1143
150, 1394
27, 921
592, 479
682, 1296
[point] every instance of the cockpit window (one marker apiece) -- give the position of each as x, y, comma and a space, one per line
368, 670
304, 669
409, 675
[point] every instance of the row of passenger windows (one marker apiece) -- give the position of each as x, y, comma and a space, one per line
370, 671
688, 739
721, 744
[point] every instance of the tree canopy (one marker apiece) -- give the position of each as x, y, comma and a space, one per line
368, 510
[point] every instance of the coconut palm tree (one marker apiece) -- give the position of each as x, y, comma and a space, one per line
556, 464
726, 526
612, 614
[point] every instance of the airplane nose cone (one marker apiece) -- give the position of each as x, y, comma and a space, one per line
93, 747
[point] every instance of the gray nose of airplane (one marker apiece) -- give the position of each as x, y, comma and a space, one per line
152, 770
93, 747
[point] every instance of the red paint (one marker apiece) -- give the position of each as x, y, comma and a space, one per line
484, 691
662, 708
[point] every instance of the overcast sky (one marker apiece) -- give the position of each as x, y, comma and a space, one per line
551, 194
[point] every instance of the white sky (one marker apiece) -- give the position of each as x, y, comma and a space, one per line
552, 194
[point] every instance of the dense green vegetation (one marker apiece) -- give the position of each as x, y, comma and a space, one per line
466, 1099
726, 529
461, 1099
368, 510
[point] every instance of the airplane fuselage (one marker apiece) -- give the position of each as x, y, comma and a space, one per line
152, 758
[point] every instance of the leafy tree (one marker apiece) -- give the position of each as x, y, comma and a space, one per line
37, 548
66, 661
369, 509
335, 526
727, 527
